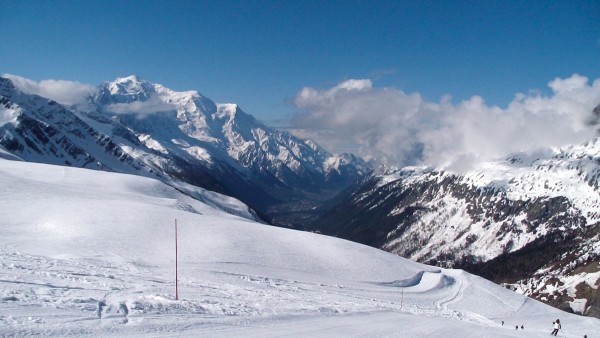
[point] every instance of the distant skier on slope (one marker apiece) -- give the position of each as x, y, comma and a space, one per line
556, 327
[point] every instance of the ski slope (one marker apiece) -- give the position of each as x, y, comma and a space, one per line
89, 253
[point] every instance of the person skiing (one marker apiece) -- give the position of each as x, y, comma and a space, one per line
556, 328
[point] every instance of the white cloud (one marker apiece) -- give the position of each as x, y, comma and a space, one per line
61, 91
153, 105
396, 128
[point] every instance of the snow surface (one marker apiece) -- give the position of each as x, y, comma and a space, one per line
92, 253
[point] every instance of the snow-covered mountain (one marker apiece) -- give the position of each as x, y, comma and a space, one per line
92, 253
133, 126
530, 220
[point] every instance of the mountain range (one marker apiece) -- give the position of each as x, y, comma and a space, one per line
529, 220
130, 125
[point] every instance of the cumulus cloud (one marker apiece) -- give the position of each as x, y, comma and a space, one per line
396, 128
61, 91
153, 105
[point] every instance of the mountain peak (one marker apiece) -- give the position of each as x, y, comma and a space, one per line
125, 90
130, 85
130, 78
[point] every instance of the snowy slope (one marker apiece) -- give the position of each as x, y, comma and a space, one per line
92, 253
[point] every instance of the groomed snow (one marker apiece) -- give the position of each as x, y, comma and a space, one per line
92, 253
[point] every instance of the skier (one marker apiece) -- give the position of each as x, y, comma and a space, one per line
556, 327
503, 323
522, 328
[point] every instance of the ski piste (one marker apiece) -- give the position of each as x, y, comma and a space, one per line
85, 252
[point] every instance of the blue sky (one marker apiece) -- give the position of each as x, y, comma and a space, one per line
261, 54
